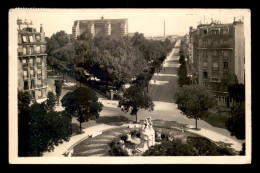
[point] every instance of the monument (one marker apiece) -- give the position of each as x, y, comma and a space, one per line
147, 136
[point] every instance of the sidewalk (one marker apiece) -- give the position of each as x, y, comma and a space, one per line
62, 148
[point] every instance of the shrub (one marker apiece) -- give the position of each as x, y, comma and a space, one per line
135, 133
116, 148
205, 147
195, 146
170, 148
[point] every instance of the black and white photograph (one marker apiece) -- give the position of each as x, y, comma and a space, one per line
129, 86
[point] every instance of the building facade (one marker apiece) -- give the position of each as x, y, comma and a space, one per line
102, 27
217, 54
32, 69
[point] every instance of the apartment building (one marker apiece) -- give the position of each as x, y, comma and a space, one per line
101, 27
217, 57
32, 71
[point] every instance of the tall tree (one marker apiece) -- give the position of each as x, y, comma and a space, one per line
58, 88
183, 79
51, 101
46, 129
135, 98
194, 101
83, 104
236, 123
23, 122
237, 92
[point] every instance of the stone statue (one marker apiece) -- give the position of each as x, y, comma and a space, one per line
147, 136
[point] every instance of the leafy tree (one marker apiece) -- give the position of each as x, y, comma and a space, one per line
236, 123
143, 80
23, 122
182, 59
157, 65
183, 79
38, 129
23, 101
46, 129
237, 92
170, 148
83, 104
195, 146
205, 147
51, 101
194, 101
134, 98
58, 88
61, 51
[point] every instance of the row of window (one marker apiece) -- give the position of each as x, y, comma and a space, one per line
215, 43
214, 75
31, 50
32, 84
215, 64
215, 53
32, 62
31, 38
225, 32
40, 95
32, 73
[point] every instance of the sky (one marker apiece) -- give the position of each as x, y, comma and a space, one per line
150, 22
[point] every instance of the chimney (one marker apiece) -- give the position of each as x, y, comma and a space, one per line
41, 29
234, 19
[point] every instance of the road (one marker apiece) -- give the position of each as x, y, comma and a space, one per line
162, 92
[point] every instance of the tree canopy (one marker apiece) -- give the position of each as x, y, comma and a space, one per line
135, 98
236, 123
194, 101
40, 127
83, 104
58, 88
237, 92
114, 61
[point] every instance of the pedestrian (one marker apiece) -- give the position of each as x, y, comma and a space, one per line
154, 80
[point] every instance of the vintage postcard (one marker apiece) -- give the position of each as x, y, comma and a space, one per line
129, 86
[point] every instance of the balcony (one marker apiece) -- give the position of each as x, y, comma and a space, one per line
215, 68
214, 79
39, 85
32, 75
